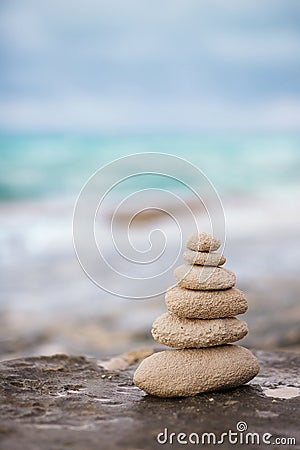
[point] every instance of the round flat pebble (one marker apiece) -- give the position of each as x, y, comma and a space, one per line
204, 278
205, 304
202, 242
177, 332
204, 258
183, 373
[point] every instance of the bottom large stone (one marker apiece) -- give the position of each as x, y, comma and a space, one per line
187, 372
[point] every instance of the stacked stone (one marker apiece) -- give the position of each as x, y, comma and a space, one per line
201, 325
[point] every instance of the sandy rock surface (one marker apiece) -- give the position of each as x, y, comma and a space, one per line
205, 304
182, 373
204, 258
173, 331
204, 278
202, 242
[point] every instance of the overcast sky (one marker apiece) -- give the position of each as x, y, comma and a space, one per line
135, 65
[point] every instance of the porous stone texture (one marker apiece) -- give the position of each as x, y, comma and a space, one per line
204, 258
70, 402
173, 331
183, 373
202, 242
205, 304
204, 278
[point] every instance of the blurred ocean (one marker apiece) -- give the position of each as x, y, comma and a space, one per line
41, 166
47, 304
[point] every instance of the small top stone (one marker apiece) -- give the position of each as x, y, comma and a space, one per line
202, 242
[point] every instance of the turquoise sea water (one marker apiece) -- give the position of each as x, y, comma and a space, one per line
34, 166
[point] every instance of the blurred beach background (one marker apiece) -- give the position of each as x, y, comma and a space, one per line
84, 83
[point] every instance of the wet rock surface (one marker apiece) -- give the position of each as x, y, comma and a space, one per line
61, 402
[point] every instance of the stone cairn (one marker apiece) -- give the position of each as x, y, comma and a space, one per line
201, 326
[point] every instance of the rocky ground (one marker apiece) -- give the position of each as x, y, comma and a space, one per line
60, 402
